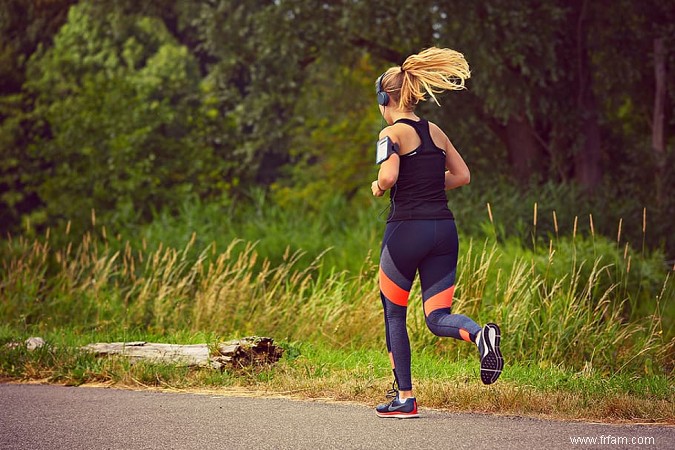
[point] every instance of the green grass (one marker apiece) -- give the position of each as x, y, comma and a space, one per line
322, 372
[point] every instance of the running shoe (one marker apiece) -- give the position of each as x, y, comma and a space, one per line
491, 361
398, 409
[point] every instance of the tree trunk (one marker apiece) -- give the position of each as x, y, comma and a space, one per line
658, 132
587, 169
523, 149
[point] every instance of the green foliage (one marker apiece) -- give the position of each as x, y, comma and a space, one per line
118, 106
24, 24
516, 60
258, 53
14, 194
333, 144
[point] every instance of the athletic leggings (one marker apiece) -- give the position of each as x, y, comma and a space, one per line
430, 247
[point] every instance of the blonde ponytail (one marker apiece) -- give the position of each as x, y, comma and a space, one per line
429, 72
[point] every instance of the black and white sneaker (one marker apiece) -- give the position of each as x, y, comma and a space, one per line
491, 361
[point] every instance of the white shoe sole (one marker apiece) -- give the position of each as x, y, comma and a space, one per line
492, 363
398, 416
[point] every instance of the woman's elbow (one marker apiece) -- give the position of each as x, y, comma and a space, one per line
387, 181
465, 178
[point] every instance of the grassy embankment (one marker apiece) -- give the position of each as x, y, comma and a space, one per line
588, 323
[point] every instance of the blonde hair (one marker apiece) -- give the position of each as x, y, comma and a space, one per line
429, 72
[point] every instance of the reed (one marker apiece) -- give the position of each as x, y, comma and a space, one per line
578, 302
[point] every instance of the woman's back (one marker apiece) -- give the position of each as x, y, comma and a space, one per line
419, 192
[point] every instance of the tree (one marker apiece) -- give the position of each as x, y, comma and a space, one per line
332, 146
116, 99
253, 55
513, 52
24, 24
587, 169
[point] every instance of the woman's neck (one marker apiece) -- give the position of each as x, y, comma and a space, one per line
396, 115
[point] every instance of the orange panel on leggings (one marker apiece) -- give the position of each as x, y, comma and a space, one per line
441, 300
392, 291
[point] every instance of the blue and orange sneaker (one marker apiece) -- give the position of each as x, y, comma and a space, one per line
396, 408
491, 360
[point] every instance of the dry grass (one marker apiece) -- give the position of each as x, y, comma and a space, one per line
554, 309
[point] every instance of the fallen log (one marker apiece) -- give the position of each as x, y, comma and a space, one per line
32, 343
236, 354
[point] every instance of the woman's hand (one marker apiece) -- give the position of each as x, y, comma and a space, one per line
377, 192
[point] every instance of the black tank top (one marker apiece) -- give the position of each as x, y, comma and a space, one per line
419, 192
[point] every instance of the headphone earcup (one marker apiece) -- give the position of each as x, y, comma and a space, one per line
382, 97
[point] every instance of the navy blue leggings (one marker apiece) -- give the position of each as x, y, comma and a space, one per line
430, 247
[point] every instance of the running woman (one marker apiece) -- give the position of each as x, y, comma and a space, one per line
420, 234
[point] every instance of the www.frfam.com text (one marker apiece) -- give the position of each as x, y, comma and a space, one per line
612, 440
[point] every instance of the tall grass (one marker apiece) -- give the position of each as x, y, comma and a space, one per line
582, 301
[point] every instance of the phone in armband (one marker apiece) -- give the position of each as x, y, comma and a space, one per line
385, 148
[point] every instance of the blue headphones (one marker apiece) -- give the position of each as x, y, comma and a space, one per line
382, 97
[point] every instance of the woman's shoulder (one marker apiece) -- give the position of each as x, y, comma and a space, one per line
395, 129
386, 131
438, 135
434, 127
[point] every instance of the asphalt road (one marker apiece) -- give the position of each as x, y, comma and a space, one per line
37, 417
